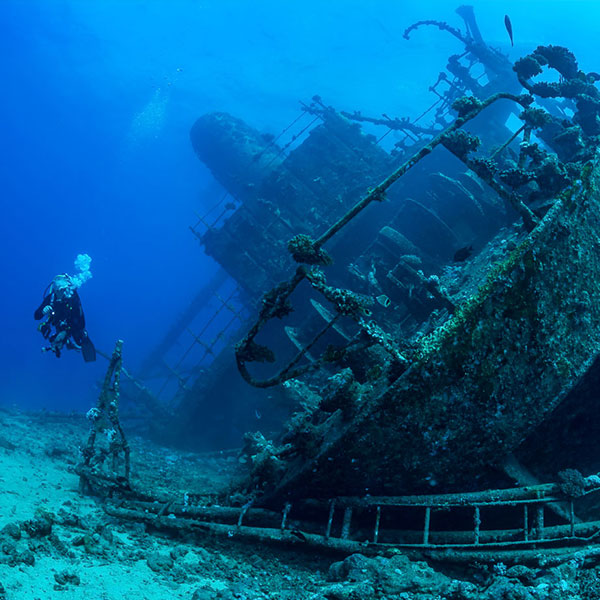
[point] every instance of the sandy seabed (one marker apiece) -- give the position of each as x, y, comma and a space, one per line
57, 543
87, 554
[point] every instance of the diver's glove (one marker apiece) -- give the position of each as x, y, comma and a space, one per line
47, 310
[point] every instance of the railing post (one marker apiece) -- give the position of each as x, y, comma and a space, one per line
243, 512
286, 512
346, 523
539, 521
377, 519
330, 519
525, 523
426, 526
477, 523
572, 517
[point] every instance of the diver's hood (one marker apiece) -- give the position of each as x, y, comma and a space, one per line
62, 286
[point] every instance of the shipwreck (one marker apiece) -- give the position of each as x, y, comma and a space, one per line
422, 298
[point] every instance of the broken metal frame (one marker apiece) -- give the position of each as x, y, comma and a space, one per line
412, 131
149, 399
442, 26
518, 545
105, 419
197, 338
246, 348
479, 52
203, 219
536, 496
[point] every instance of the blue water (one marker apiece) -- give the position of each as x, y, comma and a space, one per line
97, 100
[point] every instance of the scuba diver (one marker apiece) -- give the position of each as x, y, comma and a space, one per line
64, 324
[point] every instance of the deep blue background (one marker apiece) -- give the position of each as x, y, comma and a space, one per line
97, 99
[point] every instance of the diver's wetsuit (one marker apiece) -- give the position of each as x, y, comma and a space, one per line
67, 318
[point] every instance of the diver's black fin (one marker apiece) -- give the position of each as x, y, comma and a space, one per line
88, 350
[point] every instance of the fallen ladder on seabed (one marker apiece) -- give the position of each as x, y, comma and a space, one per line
375, 531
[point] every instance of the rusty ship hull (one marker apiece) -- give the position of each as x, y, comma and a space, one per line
485, 379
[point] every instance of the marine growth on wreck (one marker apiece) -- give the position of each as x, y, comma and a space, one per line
425, 337
403, 331
452, 363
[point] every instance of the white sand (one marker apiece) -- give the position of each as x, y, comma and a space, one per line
38, 475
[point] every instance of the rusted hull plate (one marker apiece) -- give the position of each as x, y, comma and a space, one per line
485, 380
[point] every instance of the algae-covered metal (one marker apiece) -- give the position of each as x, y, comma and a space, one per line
483, 380
438, 403
418, 373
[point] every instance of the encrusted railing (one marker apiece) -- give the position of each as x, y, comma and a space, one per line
315, 524
304, 249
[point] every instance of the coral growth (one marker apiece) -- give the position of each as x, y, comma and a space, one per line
267, 467
253, 352
559, 58
465, 105
461, 143
346, 302
276, 303
303, 250
535, 117
515, 177
527, 67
